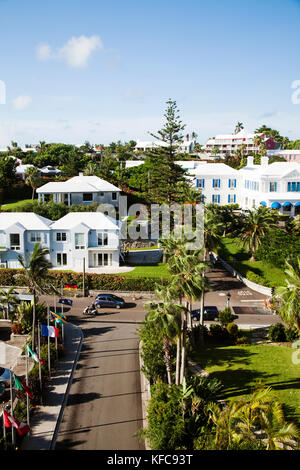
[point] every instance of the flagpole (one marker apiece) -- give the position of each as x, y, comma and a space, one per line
56, 325
49, 366
4, 429
40, 365
27, 397
12, 411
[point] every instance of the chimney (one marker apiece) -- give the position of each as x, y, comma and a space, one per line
187, 137
264, 161
250, 161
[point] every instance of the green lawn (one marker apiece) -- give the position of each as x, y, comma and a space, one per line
240, 367
12, 206
232, 252
159, 271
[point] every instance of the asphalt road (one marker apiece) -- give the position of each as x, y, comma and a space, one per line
104, 409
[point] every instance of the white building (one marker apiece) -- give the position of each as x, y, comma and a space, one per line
183, 147
276, 185
288, 155
227, 144
92, 236
80, 190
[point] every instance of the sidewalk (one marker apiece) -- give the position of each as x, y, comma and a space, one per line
46, 419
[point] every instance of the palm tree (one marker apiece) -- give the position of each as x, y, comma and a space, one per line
289, 295
255, 226
91, 169
168, 317
238, 127
9, 298
189, 282
33, 179
37, 276
171, 246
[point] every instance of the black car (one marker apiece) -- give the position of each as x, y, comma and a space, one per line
109, 300
210, 313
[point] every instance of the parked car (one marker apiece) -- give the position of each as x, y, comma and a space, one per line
210, 313
109, 300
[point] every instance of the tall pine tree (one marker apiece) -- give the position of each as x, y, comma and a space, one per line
163, 172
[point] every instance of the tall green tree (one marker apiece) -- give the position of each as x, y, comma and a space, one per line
289, 295
33, 179
8, 298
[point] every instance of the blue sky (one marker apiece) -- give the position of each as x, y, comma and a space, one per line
102, 71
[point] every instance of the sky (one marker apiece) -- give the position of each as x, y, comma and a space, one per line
100, 71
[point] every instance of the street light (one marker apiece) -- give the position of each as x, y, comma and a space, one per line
228, 299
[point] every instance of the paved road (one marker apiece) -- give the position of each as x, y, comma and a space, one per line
104, 407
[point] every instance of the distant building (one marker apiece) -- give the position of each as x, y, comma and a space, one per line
183, 147
227, 144
288, 155
80, 190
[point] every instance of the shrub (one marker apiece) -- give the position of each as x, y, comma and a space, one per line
253, 277
277, 333
232, 329
242, 340
217, 332
16, 328
225, 316
152, 352
291, 334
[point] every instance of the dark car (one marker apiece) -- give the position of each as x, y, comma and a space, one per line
210, 313
109, 300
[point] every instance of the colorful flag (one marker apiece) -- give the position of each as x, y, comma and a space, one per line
34, 356
19, 385
51, 331
59, 318
70, 286
10, 422
66, 302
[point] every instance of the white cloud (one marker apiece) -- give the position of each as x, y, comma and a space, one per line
22, 102
75, 52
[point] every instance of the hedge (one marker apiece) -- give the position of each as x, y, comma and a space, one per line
92, 281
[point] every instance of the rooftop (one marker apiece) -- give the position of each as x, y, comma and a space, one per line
28, 220
92, 220
78, 184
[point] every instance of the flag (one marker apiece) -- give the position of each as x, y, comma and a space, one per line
19, 385
34, 356
59, 318
10, 422
70, 286
51, 331
66, 302
4, 374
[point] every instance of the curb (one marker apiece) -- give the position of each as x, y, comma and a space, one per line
145, 394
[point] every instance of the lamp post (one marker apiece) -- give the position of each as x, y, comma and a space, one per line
228, 299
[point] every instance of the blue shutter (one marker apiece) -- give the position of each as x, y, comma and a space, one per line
197, 183
235, 183
229, 183
289, 186
228, 198
219, 183
275, 187
203, 183
219, 198
234, 199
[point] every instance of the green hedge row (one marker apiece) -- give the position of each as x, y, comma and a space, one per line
92, 281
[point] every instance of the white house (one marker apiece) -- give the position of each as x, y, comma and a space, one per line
227, 144
92, 236
80, 190
276, 185
183, 147
19, 231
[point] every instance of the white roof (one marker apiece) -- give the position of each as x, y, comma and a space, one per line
214, 169
274, 169
23, 168
93, 220
78, 184
29, 220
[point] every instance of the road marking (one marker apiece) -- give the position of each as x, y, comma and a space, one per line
252, 300
244, 292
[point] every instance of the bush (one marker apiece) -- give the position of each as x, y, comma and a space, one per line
277, 333
225, 316
291, 334
232, 329
217, 332
242, 340
253, 277
16, 328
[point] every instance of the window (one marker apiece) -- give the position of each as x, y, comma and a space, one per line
79, 241
216, 198
35, 237
86, 197
273, 187
216, 183
61, 259
61, 236
232, 183
231, 198
102, 239
15, 241
114, 196
200, 183
294, 186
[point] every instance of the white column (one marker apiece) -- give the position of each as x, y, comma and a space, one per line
69, 199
